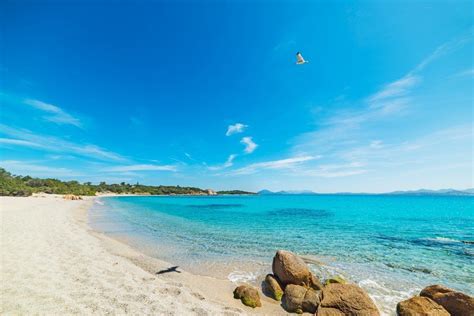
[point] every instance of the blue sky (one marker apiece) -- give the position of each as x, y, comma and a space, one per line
208, 94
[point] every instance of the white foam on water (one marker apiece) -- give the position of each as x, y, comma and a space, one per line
98, 202
443, 240
242, 276
385, 298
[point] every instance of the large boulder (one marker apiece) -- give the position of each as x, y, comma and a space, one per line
349, 299
300, 299
272, 287
248, 295
290, 269
327, 311
456, 303
420, 306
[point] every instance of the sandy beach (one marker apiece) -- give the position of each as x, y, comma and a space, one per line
53, 263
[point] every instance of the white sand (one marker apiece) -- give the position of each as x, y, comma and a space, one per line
52, 263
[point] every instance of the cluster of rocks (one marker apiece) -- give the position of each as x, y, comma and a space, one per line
437, 300
300, 291
72, 197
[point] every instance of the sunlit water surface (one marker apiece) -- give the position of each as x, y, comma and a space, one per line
392, 246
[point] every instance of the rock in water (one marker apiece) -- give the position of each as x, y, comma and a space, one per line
293, 299
248, 295
420, 306
273, 287
290, 269
349, 299
456, 303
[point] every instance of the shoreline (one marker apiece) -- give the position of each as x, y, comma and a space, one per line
54, 262
215, 289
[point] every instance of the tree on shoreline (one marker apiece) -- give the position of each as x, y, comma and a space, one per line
15, 185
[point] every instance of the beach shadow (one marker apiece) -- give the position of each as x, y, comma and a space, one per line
170, 269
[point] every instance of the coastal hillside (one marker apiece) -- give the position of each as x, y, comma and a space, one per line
17, 185
421, 192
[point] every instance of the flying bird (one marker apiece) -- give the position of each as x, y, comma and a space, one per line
299, 59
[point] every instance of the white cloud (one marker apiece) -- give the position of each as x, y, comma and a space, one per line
140, 167
228, 163
398, 88
274, 164
235, 129
19, 142
376, 144
441, 50
337, 170
58, 115
32, 169
465, 73
26, 138
250, 146
345, 127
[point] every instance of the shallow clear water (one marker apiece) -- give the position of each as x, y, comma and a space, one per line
390, 245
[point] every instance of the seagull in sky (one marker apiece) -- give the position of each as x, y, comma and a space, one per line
299, 59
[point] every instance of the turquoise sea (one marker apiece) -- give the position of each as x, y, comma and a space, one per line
392, 246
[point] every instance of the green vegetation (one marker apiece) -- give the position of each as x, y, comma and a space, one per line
235, 192
13, 185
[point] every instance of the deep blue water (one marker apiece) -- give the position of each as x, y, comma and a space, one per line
390, 245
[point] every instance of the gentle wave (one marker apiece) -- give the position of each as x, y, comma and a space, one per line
242, 277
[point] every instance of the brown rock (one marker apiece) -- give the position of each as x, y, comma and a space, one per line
349, 299
311, 301
299, 299
432, 290
290, 269
420, 306
273, 288
336, 279
314, 283
293, 299
248, 295
72, 197
326, 311
456, 303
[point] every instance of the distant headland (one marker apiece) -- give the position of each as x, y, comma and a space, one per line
17, 185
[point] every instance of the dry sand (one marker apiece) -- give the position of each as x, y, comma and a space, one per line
53, 263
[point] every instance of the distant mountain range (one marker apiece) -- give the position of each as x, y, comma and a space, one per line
444, 192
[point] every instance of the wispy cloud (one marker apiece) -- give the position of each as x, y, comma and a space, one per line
26, 138
35, 169
336, 170
140, 167
274, 164
393, 99
442, 50
376, 144
19, 142
228, 163
465, 73
396, 89
235, 129
250, 146
55, 113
